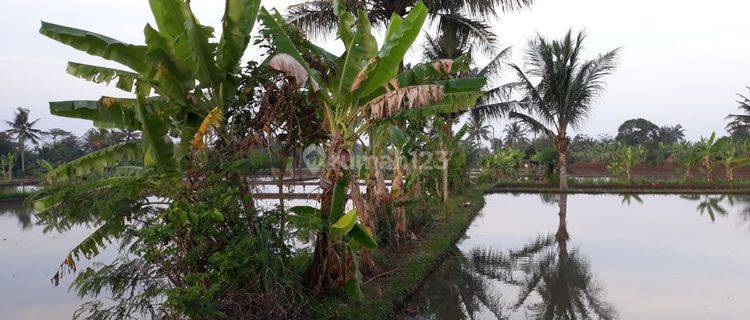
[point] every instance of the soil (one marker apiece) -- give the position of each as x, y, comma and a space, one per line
666, 170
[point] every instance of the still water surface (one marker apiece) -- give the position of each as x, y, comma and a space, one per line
648, 257
602, 256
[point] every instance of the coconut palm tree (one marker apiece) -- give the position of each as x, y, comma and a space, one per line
515, 135
479, 131
23, 130
566, 91
317, 17
740, 122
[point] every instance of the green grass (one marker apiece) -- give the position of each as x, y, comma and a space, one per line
637, 185
406, 269
14, 194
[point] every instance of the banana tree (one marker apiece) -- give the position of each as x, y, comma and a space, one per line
732, 157
356, 90
445, 145
341, 229
182, 81
707, 151
625, 158
6, 163
684, 156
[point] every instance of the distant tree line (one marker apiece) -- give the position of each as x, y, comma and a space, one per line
24, 144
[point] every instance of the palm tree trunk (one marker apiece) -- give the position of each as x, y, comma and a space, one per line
562, 146
23, 159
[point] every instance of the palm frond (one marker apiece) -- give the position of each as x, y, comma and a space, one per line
532, 123
315, 18
477, 32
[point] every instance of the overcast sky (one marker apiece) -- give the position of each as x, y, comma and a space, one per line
683, 61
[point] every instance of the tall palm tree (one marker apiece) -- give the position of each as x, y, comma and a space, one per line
317, 18
479, 131
565, 93
515, 135
23, 130
740, 122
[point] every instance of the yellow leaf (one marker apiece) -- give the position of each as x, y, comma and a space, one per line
212, 120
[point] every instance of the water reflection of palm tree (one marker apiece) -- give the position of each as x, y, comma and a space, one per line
22, 213
628, 198
710, 204
560, 277
457, 292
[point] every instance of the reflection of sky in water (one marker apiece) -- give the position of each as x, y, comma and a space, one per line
28, 258
659, 259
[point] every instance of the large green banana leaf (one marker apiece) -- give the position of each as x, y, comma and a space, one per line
360, 47
132, 56
107, 112
399, 37
126, 80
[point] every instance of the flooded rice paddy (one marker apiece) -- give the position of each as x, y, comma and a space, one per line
537, 256
525, 256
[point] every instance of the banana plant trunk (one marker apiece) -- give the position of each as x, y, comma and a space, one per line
397, 190
332, 264
561, 141
363, 213
707, 165
445, 160
729, 172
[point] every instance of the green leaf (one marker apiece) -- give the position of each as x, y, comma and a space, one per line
304, 210
362, 237
344, 224
359, 48
132, 56
125, 80
198, 35
353, 289
397, 136
338, 201
307, 218
400, 37
157, 146
170, 17
173, 81
96, 161
239, 19
107, 112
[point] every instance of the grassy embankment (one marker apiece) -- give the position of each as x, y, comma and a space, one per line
404, 269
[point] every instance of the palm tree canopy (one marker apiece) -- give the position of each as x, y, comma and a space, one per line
477, 130
22, 128
740, 122
317, 17
515, 134
567, 84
